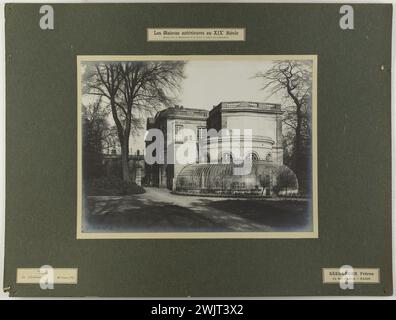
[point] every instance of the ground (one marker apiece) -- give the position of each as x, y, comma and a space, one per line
160, 210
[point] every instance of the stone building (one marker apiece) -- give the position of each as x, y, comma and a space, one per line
172, 122
212, 171
265, 121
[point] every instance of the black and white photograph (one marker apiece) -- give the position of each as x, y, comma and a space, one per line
197, 147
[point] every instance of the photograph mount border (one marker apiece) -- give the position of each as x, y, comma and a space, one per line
199, 235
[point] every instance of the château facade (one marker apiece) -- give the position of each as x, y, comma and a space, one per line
263, 119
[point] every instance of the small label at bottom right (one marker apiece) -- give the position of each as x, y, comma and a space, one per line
356, 275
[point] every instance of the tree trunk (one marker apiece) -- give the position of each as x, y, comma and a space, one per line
124, 161
123, 137
298, 147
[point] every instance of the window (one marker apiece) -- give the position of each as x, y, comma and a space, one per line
226, 158
253, 157
178, 133
178, 128
201, 133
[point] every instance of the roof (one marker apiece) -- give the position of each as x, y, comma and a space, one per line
249, 106
179, 112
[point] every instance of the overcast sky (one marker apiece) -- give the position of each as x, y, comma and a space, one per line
208, 83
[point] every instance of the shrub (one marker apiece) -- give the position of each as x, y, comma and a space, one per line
111, 186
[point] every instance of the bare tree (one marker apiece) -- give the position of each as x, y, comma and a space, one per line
132, 89
292, 80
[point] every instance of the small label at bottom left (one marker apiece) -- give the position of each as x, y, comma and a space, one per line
34, 275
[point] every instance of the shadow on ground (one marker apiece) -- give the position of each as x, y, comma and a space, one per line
143, 215
278, 214
147, 213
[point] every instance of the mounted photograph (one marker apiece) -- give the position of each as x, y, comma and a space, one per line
197, 147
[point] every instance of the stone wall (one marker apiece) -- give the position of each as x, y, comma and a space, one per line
112, 167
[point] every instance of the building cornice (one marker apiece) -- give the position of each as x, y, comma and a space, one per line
247, 106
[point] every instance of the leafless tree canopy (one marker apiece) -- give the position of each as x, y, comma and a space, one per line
292, 79
130, 90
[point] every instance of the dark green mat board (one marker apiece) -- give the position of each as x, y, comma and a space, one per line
353, 151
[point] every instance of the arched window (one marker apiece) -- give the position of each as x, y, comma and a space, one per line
268, 157
253, 156
226, 158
